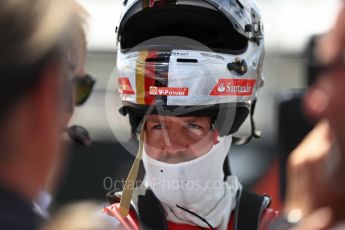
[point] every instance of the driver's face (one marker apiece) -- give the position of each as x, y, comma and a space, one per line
178, 139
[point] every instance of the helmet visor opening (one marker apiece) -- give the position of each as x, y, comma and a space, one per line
206, 26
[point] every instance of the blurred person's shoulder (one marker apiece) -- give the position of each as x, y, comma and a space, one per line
82, 214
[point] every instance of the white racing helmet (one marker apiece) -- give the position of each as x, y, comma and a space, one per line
191, 58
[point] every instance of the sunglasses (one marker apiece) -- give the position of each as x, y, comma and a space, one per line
83, 85
314, 67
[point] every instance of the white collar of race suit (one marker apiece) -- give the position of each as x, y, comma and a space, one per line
197, 185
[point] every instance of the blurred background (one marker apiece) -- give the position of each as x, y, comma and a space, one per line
91, 172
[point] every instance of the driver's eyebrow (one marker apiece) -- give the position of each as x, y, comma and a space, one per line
183, 121
155, 120
191, 120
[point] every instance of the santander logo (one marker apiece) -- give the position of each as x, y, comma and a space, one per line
234, 87
221, 88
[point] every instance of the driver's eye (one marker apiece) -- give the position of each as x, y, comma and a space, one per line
194, 126
158, 127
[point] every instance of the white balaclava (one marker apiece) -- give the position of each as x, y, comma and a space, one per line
197, 185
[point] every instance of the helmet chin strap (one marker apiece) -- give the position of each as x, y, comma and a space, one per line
254, 132
131, 178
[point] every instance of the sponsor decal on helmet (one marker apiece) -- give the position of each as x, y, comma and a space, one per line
125, 86
179, 53
168, 91
212, 56
152, 2
157, 3
233, 87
